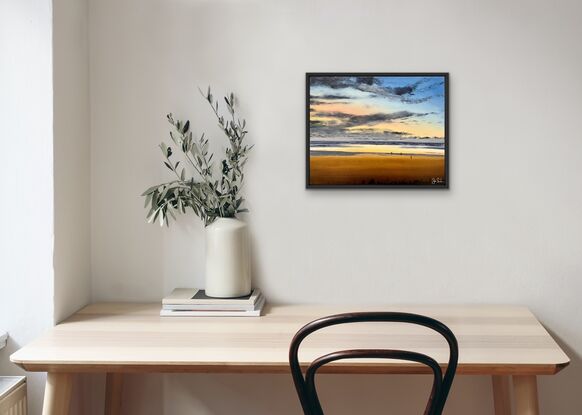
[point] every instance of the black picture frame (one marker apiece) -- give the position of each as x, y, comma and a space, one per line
445, 75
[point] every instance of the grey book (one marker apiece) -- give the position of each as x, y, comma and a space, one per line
198, 297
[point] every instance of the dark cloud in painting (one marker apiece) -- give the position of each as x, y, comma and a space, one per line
400, 133
331, 96
373, 86
350, 120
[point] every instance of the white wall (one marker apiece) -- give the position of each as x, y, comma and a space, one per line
72, 255
71, 156
508, 230
26, 179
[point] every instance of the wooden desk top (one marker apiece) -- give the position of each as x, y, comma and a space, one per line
125, 337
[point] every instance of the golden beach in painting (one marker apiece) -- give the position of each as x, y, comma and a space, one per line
376, 169
377, 130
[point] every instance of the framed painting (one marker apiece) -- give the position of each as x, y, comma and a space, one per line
377, 130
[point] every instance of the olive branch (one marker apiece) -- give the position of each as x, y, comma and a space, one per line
209, 197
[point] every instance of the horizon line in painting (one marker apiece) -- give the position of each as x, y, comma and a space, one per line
377, 130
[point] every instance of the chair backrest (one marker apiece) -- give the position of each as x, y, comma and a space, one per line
306, 385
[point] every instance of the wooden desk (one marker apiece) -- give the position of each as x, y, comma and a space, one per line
499, 341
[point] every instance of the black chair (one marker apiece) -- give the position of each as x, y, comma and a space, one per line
306, 385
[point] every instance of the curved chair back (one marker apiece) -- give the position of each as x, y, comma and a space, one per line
306, 385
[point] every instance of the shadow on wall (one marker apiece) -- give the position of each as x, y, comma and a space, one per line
256, 270
6, 366
213, 394
555, 390
142, 394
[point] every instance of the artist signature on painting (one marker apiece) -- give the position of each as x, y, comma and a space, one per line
437, 180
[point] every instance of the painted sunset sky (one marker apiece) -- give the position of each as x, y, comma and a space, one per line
377, 130
375, 113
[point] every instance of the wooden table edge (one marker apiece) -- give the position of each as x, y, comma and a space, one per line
354, 368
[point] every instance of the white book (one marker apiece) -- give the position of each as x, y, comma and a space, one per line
195, 296
213, 307
210, 313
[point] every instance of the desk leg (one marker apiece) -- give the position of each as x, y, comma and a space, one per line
525, 390
113, 388
57, 394
501, 395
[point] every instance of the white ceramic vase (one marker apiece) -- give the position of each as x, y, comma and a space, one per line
228, 265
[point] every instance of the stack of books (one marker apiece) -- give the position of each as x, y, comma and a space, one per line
192, 302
